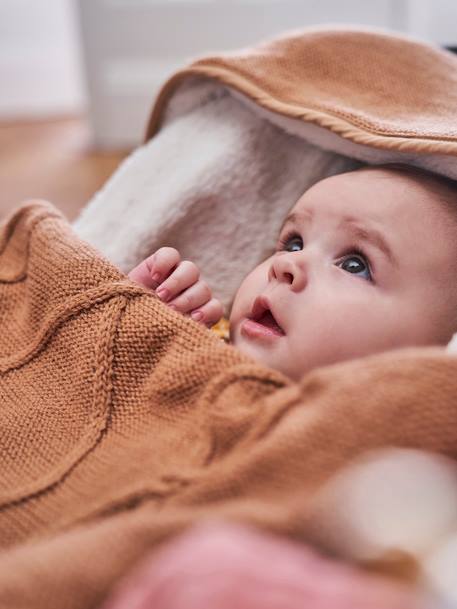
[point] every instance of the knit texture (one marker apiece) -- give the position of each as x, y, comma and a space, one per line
122, 422
374, 88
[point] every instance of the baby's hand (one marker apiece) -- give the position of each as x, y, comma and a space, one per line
180, 285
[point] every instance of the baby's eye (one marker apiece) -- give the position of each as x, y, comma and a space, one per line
290, 243
356, 264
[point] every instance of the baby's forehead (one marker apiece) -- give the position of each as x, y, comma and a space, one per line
404, 213
416, 189
377, 192
406, 180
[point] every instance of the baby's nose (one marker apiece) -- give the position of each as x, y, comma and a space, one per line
285, 270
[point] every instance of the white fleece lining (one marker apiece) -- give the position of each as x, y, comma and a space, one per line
216, 183
201, 185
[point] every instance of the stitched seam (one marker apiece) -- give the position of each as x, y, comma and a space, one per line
101, 406
132, 500
331, 111
44, 215
63, 312
211, 398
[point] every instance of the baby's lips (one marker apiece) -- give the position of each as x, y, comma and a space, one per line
262, 306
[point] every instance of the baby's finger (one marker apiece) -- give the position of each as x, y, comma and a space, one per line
212, 311
163, 263
142, 274
184, 276
191, 298
155, 268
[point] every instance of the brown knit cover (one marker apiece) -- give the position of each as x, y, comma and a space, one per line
122, 422
371, 87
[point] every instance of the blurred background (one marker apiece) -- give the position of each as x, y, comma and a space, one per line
78, 77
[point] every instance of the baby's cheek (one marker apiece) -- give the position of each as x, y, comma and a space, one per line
240, 304
235, 320
252, 286
234, 314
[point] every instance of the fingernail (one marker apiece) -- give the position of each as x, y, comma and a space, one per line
163, 294
197, 315
156, 277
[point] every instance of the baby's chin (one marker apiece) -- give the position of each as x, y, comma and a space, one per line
267, 354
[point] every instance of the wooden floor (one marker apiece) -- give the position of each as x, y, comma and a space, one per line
51, 160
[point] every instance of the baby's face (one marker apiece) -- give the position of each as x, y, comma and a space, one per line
335, 293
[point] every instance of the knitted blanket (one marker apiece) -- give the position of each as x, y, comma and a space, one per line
123, 422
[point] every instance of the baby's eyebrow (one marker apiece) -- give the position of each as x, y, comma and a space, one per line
296, 218
358, 231
370, 235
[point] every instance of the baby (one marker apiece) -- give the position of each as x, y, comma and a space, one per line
365, 262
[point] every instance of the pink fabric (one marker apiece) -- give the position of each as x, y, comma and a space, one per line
230, 567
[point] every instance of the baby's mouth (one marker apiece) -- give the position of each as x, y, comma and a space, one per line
263, 320
269, 321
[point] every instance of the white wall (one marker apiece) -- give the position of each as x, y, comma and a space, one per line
129, 47
40, 67
434, 20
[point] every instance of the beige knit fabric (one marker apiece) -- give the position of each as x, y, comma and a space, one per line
373, 88
122, 422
